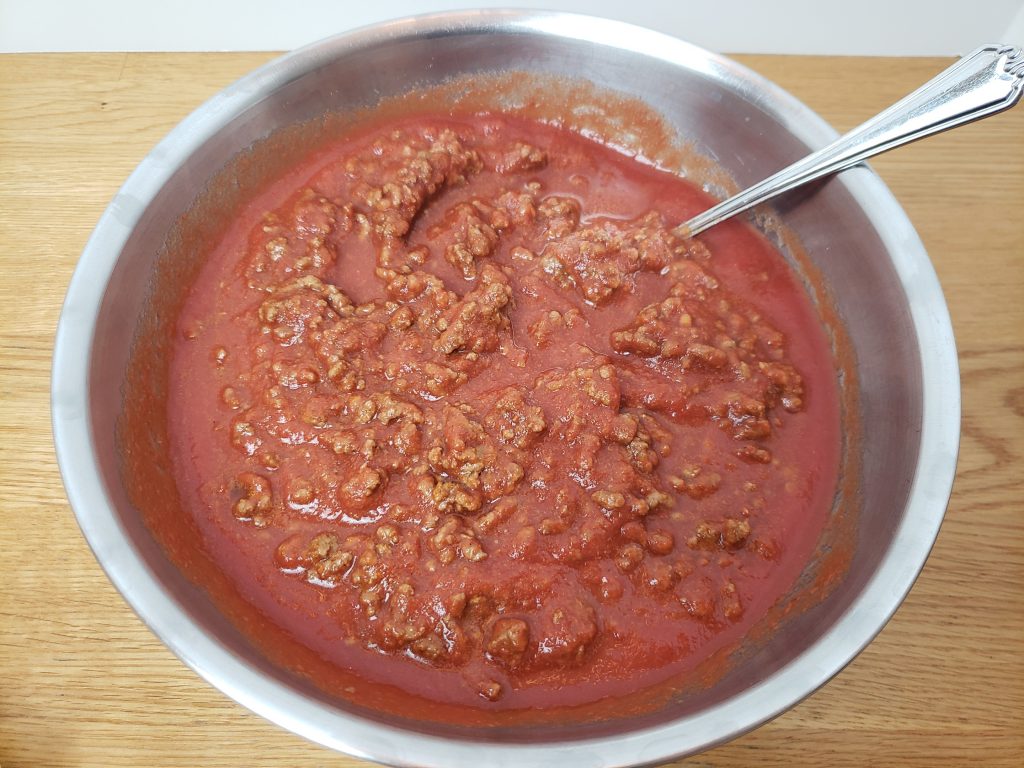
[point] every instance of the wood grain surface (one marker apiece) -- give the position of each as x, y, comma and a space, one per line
84, 683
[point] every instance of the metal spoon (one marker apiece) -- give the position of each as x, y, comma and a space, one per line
980, 84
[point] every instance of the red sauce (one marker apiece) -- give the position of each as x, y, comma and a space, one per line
453, 407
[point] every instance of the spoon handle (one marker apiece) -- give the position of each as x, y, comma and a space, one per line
980, 84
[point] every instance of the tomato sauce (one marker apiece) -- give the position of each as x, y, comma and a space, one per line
452, 406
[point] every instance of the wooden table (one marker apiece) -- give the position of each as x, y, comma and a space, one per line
84, 683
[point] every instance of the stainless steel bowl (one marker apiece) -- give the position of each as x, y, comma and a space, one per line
852, 229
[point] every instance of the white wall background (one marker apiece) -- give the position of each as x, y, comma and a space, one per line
856, 27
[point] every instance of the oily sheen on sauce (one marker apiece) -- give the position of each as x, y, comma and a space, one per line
451, 406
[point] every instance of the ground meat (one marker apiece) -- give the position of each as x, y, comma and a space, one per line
509, 638
521, 157
695, 482
303, 241
424, 166
473, 324
565, 631
424, 295
715, 337
254, 498
493, 417
559, 215
552, 323
729, 534
475, 227
602, 258
513, 421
